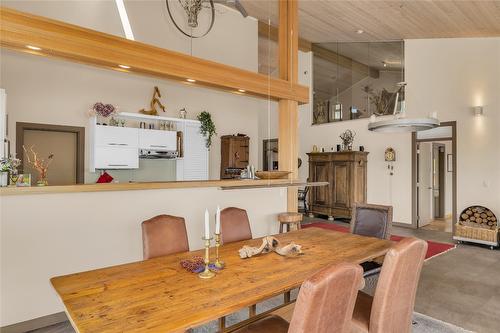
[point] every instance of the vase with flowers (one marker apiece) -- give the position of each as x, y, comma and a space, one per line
8, 166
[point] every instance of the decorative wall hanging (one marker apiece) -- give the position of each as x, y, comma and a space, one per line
155, 101
193, 11
390, 155
270, 244
102, 110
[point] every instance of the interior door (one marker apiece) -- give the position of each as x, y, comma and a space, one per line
424, 183
438, 180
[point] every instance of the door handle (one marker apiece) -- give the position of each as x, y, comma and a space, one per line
158, 146
118, 165
118, 144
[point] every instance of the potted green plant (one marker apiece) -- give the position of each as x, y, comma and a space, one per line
207, 128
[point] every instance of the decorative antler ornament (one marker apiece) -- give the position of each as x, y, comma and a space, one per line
39, 165
270, 244
192, 8
155, 101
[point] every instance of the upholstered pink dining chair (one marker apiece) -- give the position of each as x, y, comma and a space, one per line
390, 310
234, 225
325, 304
163, 235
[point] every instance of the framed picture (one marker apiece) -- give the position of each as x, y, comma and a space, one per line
449, 162
335, 113
24, 180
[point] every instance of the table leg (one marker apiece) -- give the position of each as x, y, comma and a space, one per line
222, 324
252, 310
286, 297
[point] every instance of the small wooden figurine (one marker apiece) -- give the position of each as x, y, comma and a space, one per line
155, 101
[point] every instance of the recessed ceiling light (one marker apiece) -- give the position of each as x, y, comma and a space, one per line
359, 31
241, 90
31, 47
190, 80
124, 66
384, 63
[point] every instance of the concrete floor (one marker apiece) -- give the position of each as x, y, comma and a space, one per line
461, 286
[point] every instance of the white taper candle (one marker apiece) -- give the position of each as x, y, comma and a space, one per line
217, 220
207, 225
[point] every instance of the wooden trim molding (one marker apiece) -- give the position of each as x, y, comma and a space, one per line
80, 143
74, 43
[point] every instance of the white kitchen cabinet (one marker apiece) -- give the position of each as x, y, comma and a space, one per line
116, 136
194, 165
114, 147
158, 140
108, 157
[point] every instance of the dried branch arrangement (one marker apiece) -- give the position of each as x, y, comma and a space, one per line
39, 165
270, 244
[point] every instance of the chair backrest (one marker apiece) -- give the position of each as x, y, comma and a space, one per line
394, 298
371, 220
234, 225
326, 300
163, 235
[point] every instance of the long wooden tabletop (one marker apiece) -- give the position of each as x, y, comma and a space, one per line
158, 295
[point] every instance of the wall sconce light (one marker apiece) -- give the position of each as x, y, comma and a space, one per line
478, 111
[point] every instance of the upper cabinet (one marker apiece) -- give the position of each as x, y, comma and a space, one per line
116, 136
158, 140
115, 148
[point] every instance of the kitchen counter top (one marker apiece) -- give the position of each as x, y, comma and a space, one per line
228, 184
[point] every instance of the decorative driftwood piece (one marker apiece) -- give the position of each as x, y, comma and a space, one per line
155, 101
270, 244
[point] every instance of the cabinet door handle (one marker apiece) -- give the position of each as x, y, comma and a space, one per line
158, 146
118, 144
118, 165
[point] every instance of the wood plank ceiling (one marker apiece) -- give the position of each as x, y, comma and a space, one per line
329, 21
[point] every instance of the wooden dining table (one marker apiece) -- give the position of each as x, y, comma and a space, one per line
158, 295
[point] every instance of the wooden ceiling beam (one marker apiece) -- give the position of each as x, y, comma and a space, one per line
74, 43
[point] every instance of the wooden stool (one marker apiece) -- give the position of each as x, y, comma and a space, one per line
289, 219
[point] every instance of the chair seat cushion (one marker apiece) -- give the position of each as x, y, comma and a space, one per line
269, 324
362, 311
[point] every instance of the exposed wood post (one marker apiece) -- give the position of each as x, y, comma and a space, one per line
288, 42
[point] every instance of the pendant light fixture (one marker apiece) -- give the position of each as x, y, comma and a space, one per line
399, 122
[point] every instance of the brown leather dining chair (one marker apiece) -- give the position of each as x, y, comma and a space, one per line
163, 235
325, 304
390, 310
371, 221
234, 225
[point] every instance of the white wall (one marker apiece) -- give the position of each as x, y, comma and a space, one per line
448, 76
43, 236
60, 92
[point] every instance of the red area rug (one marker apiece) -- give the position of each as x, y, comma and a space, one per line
433, 249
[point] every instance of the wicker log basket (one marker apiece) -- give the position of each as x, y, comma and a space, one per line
477, 224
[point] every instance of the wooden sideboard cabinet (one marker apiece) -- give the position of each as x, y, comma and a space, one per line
346, 174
